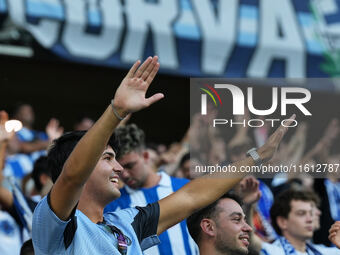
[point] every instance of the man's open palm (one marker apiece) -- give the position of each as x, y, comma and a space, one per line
130, 96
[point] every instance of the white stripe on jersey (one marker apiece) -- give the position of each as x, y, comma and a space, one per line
174, 237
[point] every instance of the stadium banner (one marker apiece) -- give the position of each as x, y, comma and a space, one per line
234, 38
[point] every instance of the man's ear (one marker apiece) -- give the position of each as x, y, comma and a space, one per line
208, 227
281, 222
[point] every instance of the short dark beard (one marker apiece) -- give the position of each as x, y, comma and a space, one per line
228, 251
222, 248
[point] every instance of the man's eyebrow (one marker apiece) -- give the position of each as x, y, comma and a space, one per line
236, 214
303, 210
111, 154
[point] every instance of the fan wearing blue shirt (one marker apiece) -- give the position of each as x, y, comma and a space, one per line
145, 185
85, 172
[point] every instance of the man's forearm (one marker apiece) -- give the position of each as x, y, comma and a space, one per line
80, 164
205, 190
212, 186
197, 194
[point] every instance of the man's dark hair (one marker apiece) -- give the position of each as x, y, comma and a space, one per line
40, 167
61, 149
282, 204
210, 212
130, 138
27, 248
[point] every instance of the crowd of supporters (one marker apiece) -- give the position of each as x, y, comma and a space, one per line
287, 213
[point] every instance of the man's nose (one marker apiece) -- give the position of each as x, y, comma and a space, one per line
247, 228
310, 217
117, 167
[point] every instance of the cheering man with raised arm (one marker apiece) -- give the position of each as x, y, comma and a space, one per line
85, 172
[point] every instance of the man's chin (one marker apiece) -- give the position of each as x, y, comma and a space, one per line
118, 194
308, 236
115, 194
242, 249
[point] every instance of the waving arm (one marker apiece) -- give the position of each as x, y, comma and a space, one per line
205, 190
129, 97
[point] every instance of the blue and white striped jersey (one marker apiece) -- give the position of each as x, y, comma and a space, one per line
175, 240
10, 235
19, 165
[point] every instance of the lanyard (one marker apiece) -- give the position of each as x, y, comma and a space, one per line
123, 241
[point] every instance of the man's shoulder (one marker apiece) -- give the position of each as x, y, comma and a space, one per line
43, 214
142, 220
178, 181
130, 212
272, 248
326, 250
121, 214
40, 205
133, 197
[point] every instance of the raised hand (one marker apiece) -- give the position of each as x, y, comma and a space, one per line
130, 96
53, 129
334, 234
267, 151
248, 190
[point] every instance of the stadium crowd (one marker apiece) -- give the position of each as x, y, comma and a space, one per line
96, 193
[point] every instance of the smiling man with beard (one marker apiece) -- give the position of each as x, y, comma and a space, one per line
221, 228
